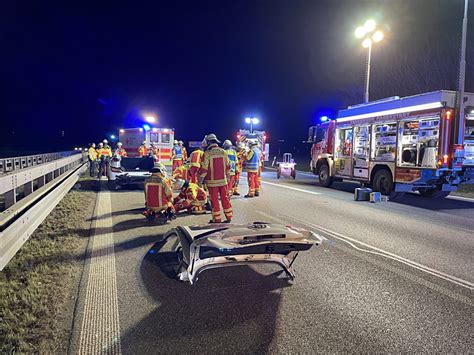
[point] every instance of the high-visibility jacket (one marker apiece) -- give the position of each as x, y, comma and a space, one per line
240, 160
193, 194
121, 152
232, 155
185, 153
196, 158
215, 167
177, 153
103, 153
181, 172
158, 193
142, 150
92, 154
252, 160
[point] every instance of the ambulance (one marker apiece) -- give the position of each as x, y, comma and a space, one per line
163, 139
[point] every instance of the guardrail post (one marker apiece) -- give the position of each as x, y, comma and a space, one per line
10, 198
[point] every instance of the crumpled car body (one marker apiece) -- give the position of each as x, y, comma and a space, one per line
206, 247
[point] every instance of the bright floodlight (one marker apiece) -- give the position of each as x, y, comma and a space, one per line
248, 120
122, 130
255, 120
360, 32
378, 36
150, 119
369, 26
112, 136
324, 118
366, 43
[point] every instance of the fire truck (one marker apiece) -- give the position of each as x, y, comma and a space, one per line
163, 138
396, 145
244, 135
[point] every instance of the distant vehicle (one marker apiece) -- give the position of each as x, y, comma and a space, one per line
395, 145
287, 167
129, 171
163, 138
207, 247
244, 135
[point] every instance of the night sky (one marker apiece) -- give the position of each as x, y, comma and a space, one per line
89, 69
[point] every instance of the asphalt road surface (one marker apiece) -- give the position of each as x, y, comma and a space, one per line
392, 276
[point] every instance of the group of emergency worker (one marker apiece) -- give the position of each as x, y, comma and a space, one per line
207, 179
178, 153
100, 156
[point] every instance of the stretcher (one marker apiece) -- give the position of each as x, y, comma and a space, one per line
286, 167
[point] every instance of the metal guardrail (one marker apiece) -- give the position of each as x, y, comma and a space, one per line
8, 165
42, 186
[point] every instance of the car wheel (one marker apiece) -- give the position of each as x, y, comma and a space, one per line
324, 178
383, 182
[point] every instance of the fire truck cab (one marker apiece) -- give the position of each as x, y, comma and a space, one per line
395, 145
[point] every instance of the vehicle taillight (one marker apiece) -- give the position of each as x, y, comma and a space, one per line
445, 159
448, 115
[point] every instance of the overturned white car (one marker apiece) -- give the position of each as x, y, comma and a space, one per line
212, 246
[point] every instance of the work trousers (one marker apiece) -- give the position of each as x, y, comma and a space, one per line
103, 168
193, 174
230, 185
177, 164
236, 182
217, 193
92, 168
252, 178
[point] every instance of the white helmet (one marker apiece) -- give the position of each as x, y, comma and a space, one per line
119, 144
105, 141
101, 144
181, 142
227, 144
178, 184
176, 142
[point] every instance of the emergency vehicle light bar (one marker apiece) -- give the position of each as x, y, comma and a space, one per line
392, 111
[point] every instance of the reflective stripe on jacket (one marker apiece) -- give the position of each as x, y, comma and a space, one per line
193, 194
158, 193
215, 166
181, 172
177, 153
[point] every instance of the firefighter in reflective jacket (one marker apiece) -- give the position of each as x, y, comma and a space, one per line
232, 155
177, 155
195, 160
103, 156
191, 197
238, 167
252, 166
143, 150
158, 195
183, 149
182, 172
215, 169
92, 154
258, 187
120, 151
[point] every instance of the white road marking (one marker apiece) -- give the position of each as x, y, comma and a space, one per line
461, 198
456, 280
292, 188
100, 331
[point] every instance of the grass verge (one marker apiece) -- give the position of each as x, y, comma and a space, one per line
38, 287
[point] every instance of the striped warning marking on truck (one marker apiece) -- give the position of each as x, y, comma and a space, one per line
100, 331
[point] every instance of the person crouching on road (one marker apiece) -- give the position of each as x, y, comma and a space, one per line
182, 172
252, 166
177, 155
215, 170
103, 156
120, 151
232, 155
191, 197
158, 195
92, 155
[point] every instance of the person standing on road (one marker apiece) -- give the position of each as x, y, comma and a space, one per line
103, 155
183, 148
238, 168
252, 166
195, 160
120, 151
143, 150
92, 154
215, 170
177, 155
232, 155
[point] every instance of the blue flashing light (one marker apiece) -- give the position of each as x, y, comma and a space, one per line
324, 118
146, 127
112, 136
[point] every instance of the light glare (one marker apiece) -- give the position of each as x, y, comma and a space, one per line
248, 120
378, 36
360, 32
366, 43
150, 119
369, 26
